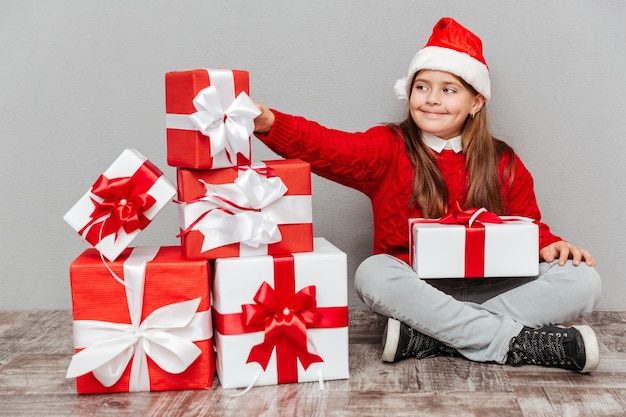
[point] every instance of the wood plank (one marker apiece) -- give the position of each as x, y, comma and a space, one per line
431, 404
365, 326
36, 373
368, 372
611, 373
458, 374
534, 402
584, 402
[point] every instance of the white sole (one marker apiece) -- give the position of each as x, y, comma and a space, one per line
592, 351
391, 341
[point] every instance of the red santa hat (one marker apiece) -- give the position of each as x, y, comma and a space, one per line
454, 49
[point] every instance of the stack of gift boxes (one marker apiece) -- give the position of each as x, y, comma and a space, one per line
249, 292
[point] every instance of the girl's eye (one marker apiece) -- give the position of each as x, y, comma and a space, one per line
449, 90
420, 87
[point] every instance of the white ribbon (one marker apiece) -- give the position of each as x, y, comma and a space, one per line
228, 129
475, 215
166, 335
233, 213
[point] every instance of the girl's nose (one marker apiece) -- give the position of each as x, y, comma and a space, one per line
432, 98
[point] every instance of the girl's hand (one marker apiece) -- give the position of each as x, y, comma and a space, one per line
564, 250
263, 122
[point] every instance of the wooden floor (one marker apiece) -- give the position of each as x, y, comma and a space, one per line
36, 348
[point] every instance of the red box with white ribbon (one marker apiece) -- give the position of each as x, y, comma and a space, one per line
281, 319
121, 203
141, 323
209, 118
262, 209
474, 244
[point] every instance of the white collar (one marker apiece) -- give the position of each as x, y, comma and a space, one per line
437, 144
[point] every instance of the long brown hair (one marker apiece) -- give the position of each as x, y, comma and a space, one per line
482, 154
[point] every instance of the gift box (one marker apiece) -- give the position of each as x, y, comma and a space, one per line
281, 319
120, 204
209, 119
474, 244
262, 209
141, 323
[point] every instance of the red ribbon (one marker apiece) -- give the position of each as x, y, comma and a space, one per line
285, 324
124, 202
473, 219
284, 316
267, 171
459, 216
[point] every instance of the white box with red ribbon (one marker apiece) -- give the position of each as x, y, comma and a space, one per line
121, 203
474, 244
281, 319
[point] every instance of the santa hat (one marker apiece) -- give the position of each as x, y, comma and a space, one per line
454, 49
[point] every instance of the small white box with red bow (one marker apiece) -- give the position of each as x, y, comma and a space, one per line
474, 244
121, 203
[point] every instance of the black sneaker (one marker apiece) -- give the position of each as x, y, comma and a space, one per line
574, 348
401, 341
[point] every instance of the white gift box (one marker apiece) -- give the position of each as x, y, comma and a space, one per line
507, 249
236, 283
141, 178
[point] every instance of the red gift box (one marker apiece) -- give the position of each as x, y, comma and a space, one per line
141, 323
209, 118
263, 209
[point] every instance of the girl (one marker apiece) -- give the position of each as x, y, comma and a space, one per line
444, 153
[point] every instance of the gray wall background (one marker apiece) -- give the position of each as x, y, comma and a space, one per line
82, 80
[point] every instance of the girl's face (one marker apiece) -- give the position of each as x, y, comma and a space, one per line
439, 103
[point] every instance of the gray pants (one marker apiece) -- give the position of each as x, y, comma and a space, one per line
478, 317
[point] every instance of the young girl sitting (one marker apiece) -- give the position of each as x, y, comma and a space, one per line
441, 155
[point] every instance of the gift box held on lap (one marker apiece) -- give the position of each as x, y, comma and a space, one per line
144, 324
263, 209
281, 319
209, 119
120, 204
474, 244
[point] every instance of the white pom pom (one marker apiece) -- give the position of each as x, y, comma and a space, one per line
400, 89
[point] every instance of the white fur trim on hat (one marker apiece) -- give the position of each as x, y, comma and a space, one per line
401, 89
474, 72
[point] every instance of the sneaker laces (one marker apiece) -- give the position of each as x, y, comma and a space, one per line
539, 347
421, 346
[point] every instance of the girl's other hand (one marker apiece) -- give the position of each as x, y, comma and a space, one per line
563, 250
263, 122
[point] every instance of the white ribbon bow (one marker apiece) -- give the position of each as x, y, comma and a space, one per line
166, 335
233, 212
228, 130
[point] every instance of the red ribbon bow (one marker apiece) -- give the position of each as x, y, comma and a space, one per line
469, 217
124, 201
286, 322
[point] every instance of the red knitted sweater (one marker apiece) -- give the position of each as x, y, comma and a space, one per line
375, 163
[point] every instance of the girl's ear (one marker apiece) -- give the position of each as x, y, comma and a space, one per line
479, 102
